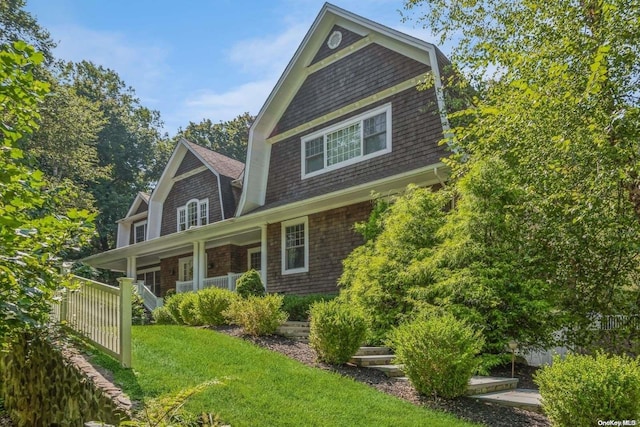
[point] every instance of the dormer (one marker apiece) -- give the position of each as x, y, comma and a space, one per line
133, 227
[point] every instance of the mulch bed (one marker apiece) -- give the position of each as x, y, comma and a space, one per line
465, 408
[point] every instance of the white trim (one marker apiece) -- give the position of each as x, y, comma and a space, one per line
148, 270
136, 204
344, 124
222, 213
342, 53
251, 251
188, 174
184, 208
283, 250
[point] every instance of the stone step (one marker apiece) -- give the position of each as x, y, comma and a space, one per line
483, 385
520, 398
392, 371
371, 360
298, 331
296, 324
367, 351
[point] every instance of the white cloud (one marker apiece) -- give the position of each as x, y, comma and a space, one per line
260, 56
141, 65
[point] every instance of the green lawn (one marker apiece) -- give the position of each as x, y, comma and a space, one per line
260, 387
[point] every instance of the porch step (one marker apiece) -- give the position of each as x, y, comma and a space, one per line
372, 360
366, 351
483, 385
295, 330
392, 371
520, 398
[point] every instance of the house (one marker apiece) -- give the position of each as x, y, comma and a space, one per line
344, 120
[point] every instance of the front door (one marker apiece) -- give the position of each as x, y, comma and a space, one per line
185, 272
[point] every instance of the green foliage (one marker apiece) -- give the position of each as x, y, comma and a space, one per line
337, 331
257, 315
375, 278
138, 314
162, 316
438, 353
297, 306
17, 24
188, 309
211, 303
229, 138
556, 99
31, 238
172, 305
581, 389
250, 284
167, 411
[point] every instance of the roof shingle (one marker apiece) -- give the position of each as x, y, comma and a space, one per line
222, 164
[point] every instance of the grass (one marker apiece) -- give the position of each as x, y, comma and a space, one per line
259, 387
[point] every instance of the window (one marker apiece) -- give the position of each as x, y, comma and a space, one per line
151, 279
140, 231
295, 246
194, 213
362, 137
254, 259
185, 270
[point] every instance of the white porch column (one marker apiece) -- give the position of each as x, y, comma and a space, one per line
131, 267
202, 264
196, 266
263, 254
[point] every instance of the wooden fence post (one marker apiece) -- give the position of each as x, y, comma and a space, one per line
126, 284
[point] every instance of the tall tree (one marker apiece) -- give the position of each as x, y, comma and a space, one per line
129, 144
229, 138
558, 101
16, 24
31, 238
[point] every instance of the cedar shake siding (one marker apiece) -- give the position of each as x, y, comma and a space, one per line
416, 130
228, 198
356, 76
331, 238
142, 208
189, 163
348, 38
200, 186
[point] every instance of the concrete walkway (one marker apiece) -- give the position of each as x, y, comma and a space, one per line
519, 398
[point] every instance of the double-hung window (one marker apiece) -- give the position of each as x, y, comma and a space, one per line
295, 246
194, 213
140, 231
351, 141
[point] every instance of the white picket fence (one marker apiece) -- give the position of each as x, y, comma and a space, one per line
99, 312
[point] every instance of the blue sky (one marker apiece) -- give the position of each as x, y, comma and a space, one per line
198, 59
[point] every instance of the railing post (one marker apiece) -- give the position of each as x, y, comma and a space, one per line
126, 283
64, 302
230, 281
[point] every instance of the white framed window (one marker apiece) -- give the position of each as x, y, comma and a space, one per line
254, 259
151, 278
139, 231
354, 140
295, 246
193, 214
185, 269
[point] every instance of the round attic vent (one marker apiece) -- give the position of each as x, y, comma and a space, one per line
334, 40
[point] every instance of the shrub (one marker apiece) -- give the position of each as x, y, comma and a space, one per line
211, 303
169, 294
189, 310
173, 306
337, 331
257, 315
250, 284
162, 316
297, 306
438, 353
580, 390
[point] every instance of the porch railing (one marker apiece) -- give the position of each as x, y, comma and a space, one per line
150, 300
99, 312
223, 282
